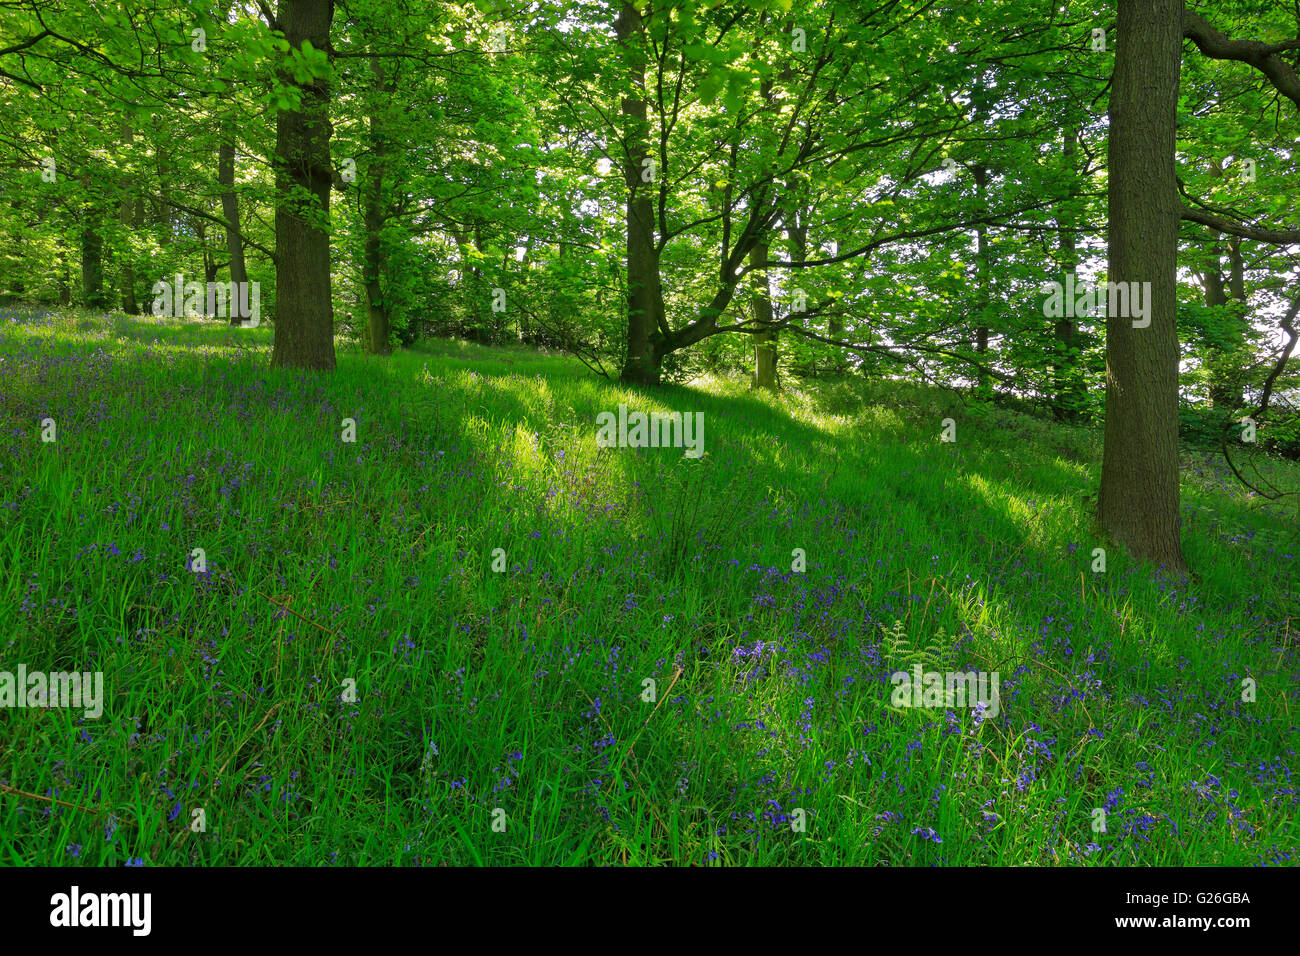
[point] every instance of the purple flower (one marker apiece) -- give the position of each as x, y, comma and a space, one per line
926, 833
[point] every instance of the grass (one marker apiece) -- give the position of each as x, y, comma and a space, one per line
647, 681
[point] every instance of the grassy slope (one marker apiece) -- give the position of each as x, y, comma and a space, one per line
522, 690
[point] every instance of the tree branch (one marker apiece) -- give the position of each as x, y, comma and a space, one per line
1262, 56
1279, 237
220, 222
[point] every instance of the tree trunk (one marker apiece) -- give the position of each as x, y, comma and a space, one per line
765, 340
377, 325
1067, 385
1237, 277
92, 252
230, 212
1138, 503
377, 319
162, 158
984, 386
481, 320
645, 307
980, 173
1218, 364
126, 274
797, 230
1231, 391
64, 282
304, 314
126, 216
92, 267
209, 261
1221, 348
226, 153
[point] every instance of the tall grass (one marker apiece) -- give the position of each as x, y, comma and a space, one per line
647, 680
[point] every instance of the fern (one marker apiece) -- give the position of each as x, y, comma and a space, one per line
903, 655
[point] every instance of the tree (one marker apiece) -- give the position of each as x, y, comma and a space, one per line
304, 319
765, 339
1138, 504
645, 303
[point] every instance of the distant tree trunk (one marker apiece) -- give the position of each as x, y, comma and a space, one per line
1138, 503
226, 153
304, 316
1215, 292
14, 281
208, 260
377, 317
765, 340
797, 230
1225, 384
92, 251
1237, 277
92, 266
1231, 392
524, 328
466, 281
480, 306
126, 215
984, 385
230, 212
162, 158
1220, 348
645, 307
980, 173
64, 283
126, 274
1067, 394
377, 325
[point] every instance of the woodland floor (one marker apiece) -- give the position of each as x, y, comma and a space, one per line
770, 737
